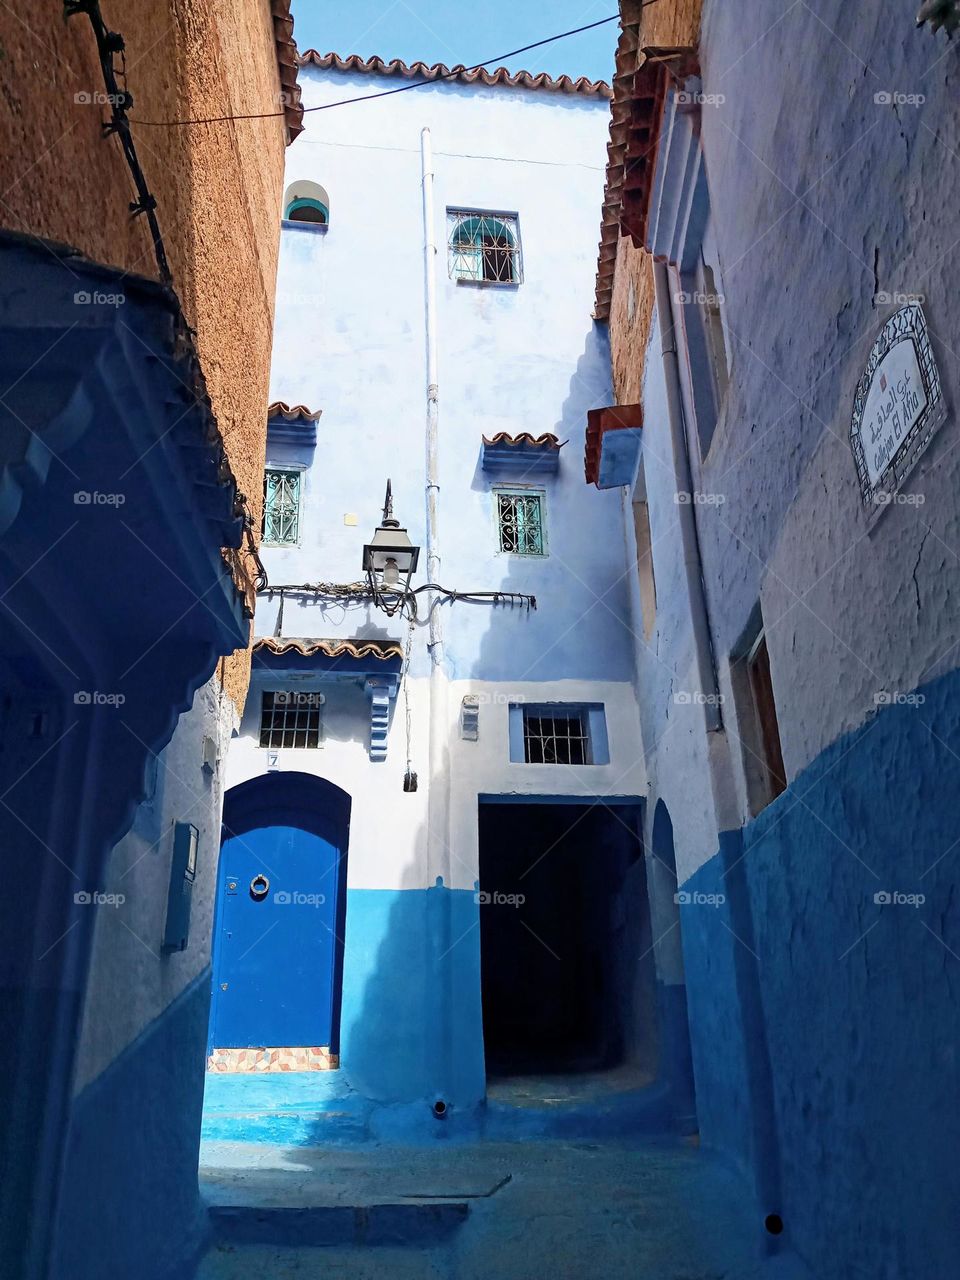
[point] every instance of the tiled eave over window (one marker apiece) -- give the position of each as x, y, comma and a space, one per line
360, 650
612, 449
640, 87
373, 664
523, 454
294, 424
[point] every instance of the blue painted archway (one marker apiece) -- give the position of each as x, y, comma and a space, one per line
280, 915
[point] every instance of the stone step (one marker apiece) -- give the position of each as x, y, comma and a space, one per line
417, 1223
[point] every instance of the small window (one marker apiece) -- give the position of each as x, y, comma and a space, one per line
290, 719
483, 247
520, 522
306, 202
710, 299
306, 210
761, 684
558, 733
281, 507
758, 723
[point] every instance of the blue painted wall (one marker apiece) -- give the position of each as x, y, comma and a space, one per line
824, 1024
411, 1026
857, 997
130, 1206
349, 340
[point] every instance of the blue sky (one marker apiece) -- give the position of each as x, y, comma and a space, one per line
445, 31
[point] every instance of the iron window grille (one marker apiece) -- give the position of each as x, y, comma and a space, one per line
483, 247
520, 523
281, 507
290, 719
555, 737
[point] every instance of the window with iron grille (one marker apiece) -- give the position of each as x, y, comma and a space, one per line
573, 733
290, 719
520, 522
483, 247
281, 507
555, 736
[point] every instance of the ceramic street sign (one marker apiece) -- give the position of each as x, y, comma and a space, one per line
897, 407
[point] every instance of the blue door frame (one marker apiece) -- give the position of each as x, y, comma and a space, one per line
280, 914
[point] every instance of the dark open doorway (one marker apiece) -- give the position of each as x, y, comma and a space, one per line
564, 925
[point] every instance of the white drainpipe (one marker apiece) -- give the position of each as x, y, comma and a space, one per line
438, 858
438, 782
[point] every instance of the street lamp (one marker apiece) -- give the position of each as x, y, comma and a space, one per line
390, 552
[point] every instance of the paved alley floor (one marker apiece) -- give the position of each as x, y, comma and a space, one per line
514, 1211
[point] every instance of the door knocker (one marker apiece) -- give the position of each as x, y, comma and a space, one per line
259, 888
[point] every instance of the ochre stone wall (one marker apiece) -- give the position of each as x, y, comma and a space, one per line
218, 186
670, 22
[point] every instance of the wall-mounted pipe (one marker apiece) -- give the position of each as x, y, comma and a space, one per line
442, 940
696, 592
437, 843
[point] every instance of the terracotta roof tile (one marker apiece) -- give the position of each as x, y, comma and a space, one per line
292, 413
461, 74
288, 62
307, 646
639, 92
545, 441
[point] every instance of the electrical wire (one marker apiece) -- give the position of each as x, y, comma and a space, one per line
386, 93
402, 601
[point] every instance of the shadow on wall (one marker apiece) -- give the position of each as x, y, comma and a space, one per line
581, 628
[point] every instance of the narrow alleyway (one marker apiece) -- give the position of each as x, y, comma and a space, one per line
479, 681
517, 1210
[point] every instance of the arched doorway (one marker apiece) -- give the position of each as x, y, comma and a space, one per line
675, 1051
280, 914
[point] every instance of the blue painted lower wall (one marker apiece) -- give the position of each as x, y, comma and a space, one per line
130, 1203
411, 1027
675, 1066
826, 1022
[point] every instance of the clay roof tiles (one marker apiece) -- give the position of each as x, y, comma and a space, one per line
458, 73
545, 441
640, 86
308, 646
288, 63
292, 413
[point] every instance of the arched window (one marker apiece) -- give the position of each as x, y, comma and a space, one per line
306, 202
483, 247
306, 210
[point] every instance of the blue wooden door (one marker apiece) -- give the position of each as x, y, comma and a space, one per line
279, 925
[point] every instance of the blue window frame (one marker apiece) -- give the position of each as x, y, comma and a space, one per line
306, 209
